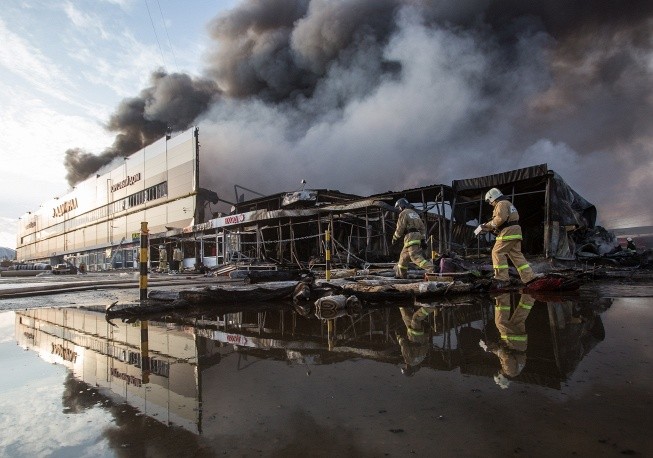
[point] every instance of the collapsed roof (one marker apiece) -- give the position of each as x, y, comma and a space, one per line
549, 209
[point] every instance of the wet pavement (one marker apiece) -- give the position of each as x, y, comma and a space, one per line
47, 283
477, 376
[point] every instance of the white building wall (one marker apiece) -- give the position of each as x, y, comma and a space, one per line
92, 214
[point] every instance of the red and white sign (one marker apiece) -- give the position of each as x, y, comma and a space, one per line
234, 339
234, 219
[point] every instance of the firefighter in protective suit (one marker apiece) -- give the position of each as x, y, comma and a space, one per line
415, 346
163, 258
411, 228
505, 226
177, 258
511, 348
630, 245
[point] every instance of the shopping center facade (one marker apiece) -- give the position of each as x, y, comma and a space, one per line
98, 221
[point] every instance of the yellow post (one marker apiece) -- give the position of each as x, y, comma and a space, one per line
434, 255
327, 240
144, 250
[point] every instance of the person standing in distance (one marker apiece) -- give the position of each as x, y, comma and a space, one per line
411, 228
630, 245
505, 226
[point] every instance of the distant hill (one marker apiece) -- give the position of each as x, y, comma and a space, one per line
7, 253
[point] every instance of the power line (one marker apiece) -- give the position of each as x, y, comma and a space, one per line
155, 34
172, 50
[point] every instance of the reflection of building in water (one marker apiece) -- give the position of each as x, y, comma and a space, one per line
111, 358
168, 370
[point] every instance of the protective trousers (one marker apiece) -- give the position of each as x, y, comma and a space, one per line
412, 253
508, 245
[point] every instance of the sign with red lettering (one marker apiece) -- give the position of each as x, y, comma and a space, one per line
236, 339
234, 219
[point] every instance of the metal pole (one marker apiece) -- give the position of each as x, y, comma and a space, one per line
480, 221
442, 224
547, 218
384, 236
330, 335
142, 281
145, 352
368, 234
327, 243
319, 232
434, 253
451, 223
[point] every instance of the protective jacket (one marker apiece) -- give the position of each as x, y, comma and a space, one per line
505, 225
177, 255
411, 227
163, 259
505, 220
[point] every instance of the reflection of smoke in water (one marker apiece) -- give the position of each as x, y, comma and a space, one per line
370, 95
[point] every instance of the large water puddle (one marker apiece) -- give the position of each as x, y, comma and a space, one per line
482, 376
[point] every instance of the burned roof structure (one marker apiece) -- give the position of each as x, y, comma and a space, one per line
550, 210
289, 228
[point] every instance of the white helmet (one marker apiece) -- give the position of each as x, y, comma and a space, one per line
402, 203
492, 195
629, 239
501, 381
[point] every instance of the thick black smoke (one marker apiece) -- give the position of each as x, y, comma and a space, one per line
173, 101
279, 49
371, 95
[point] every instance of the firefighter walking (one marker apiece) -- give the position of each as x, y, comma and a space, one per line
163, 258
505, 226
411, 228
511, 348
415, 346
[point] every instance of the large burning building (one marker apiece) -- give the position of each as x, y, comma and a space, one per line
98, 221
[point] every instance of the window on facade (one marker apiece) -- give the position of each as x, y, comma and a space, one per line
152, 193
148, 195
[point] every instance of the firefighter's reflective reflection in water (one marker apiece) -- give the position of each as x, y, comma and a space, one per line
511, 346
415, 344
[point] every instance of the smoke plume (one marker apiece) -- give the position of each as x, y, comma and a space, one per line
370, 95
172, 102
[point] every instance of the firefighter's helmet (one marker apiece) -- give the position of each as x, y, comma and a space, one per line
501, 381
492, 195
402, 203
408, 371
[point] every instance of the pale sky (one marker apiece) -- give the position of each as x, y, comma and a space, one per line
64, 67
360, 96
